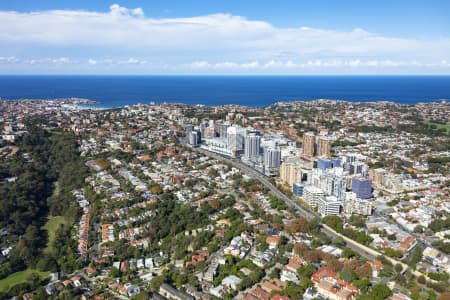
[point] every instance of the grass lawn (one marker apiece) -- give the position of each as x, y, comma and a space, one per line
19, 277
438, 125
51, 226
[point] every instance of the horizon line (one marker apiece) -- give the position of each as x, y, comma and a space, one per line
234, 75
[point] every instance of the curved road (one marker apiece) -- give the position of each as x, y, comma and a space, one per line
305, 212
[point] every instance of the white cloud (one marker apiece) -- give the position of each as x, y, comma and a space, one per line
227, 66
223, 65
110, 61
230, 41
118, 10
63, 60
315, 64
8, 60
34, 61
132, 61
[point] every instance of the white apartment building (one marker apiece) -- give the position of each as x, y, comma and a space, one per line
329, 206
312, 195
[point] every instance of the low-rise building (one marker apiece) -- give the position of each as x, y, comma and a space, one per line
170, 292
329, 286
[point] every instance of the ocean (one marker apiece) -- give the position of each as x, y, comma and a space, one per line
260, 91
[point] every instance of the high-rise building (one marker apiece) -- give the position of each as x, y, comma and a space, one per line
203, 127
252, 145
235, 139
324, 146
308, 144
194, 138
291, 171
362, 187
222, 130
272, 157
188, 128
272, 160
378, 175
332, 181
339, 187
210, 131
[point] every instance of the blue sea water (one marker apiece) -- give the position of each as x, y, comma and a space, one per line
113, 91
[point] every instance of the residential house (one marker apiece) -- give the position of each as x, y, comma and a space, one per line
328, 285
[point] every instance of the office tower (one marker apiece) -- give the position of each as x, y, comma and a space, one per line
362, 187
324, 146
252, 145
308, 144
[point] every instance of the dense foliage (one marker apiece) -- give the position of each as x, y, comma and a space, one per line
45, 157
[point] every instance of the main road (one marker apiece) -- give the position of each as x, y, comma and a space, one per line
303, 211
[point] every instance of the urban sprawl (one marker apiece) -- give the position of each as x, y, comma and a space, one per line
318, 199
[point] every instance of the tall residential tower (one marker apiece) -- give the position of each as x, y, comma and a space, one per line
252, 145
324, 147
308, 144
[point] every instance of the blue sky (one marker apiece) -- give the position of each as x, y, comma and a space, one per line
224, 37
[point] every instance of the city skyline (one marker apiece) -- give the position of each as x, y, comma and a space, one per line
163, 38
201, 150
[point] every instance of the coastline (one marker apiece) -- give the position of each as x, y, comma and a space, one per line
85, 104
252, 91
